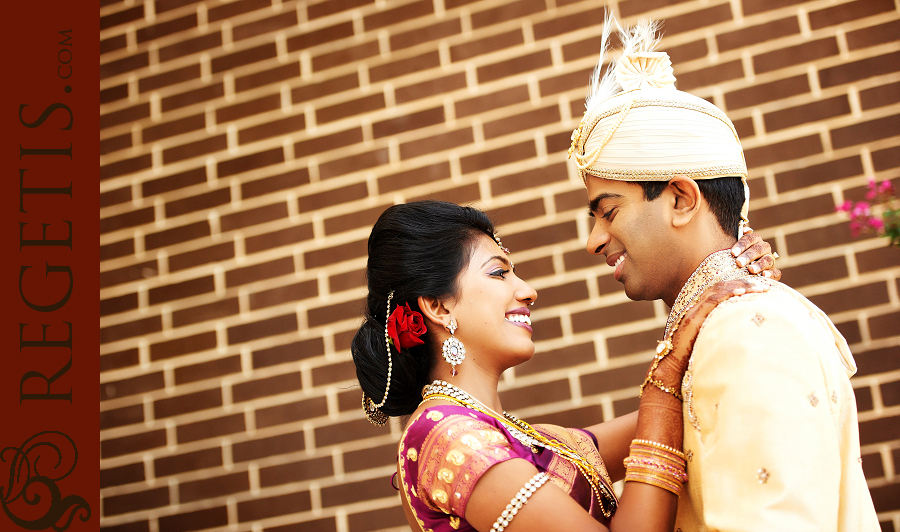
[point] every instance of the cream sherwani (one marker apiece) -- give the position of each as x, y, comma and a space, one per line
770, 426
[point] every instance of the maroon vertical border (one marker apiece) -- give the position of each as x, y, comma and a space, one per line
51, 68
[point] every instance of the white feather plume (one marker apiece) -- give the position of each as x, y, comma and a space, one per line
642, 37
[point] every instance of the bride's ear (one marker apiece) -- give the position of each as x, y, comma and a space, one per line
434, 311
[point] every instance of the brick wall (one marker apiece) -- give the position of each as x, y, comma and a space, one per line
247, 146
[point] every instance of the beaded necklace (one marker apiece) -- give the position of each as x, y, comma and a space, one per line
526, 434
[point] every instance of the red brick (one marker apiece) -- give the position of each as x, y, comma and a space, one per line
872, 466
258, 272
210, 428
568, 356
305, 41
819, 173
877, 360
384, 518
815, 272
879, 430
698, 19
114, 305
328, 142
208, 488
289, 413
266, 25
486, 45
264, 447
244, 57
614, 315
130, 273
577, 417
250, 162
353, 163
134, 502
130, 329
195, 149
613, 379
589, 47
236, 8
126, 219
117, 249
205, 201
175, 127
783, 151
408, 122
822, 237
340, 311
261, 508
332, 373
563, 294
863, 398
567, 24
430, 87
210, 311
838, 14
885, 499
435, 143
167, 5
267, 77
113, 447
793, 211
124, 116
169, 27
373, 456
126, 474
180, 346
281, 237
713, 75
203, 94
519, 211
323, 257
190, 46
347, 281
285, 126
511, 67
850, 331
192, 287
343, 110
795, 55
563, 83
752, 7
884, 326
295, 471
497, 157
176, 235
811, 112
744, 128
761, 93
358, 218
413, 177
183, 404
632, 343
259, 215
863, 132
208, 370
857, 70
268, 327
331, 86
258, 187
852, 298
872, 35
528, 120
114, 144
688, 52
248, 108
359, 429
127, 415
450, 4
877, 259
462, 195
348, 54
349, 492
880, 96
200, 256
173, 182
196, 520
284, 294
511, 11
112, 44
544, 236
559, 142
890, 393
278, 384
388, 17
886, 158
439, 30
125, 166
120, 359
121, 17
750, 35
292, 352
547, 329
112, 94
628, 8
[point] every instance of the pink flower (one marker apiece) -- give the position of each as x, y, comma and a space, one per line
886, 187
861, 209
876, 223
844, 207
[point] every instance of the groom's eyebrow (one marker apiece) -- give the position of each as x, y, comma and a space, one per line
595, 203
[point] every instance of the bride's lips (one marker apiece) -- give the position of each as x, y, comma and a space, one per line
520, 317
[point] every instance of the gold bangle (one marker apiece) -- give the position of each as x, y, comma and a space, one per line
660, 446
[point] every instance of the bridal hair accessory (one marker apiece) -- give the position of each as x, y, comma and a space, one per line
453, 350
497, 239
638, 127
402, 329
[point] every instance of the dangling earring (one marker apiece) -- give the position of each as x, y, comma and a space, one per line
453, 350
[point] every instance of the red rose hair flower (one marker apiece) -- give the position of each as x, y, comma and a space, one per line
405, 326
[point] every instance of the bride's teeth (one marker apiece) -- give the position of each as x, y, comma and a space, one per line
520, 318
620, 259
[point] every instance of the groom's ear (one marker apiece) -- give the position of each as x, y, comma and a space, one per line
685, 200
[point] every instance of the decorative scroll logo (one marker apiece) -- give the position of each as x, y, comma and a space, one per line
32, 500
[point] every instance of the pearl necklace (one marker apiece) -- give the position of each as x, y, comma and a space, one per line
526, 434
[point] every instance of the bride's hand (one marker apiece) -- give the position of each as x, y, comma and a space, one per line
755, 253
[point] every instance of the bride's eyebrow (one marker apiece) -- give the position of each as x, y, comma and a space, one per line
501, 258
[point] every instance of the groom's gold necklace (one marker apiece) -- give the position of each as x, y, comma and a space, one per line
526, 434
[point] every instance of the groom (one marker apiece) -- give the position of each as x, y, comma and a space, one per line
770, 424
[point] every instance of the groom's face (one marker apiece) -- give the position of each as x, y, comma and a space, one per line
634, 235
